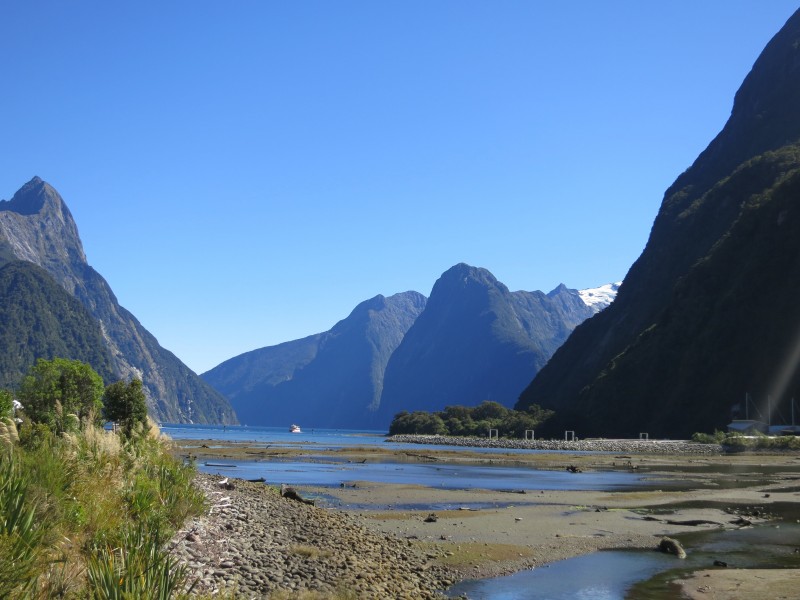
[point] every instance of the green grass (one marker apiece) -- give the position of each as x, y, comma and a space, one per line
86, 515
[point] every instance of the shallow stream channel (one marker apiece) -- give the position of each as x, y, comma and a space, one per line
649, 574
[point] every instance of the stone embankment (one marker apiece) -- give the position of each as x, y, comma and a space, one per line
253, 543
592, 445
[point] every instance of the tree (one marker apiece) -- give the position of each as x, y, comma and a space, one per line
54, 389
489, 411
125, 403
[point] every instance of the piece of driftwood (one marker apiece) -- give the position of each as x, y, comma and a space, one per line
671, 546
291, 494
225, 484
425, 456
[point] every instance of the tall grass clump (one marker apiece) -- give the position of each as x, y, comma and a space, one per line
86, 512
20, 532
137, 568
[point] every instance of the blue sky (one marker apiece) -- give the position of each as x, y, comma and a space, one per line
244, 173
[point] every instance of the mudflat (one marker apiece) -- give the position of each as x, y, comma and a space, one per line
486, 533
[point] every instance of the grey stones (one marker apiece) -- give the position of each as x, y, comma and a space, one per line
253, 542
593, 445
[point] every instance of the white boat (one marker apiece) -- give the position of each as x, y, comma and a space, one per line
295, 429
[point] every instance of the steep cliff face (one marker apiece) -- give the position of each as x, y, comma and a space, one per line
36, 226
476, 341
332, 379
703, 316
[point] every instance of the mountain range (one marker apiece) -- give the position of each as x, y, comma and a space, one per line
708, 313
56, 305
472, 340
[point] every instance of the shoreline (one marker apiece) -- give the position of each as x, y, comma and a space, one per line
669, 447
507, 532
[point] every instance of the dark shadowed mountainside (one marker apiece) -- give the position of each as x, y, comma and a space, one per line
476, 341
332, 379
709, 311
37, 227
38, 319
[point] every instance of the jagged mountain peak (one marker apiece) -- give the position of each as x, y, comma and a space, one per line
34, 197
38, 227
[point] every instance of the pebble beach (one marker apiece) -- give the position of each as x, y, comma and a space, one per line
253, 543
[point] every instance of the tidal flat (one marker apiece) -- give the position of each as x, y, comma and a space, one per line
480, 533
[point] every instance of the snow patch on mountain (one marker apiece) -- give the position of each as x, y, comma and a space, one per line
600, 297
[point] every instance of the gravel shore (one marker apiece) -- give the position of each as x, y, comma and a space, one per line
253, 542
671, 447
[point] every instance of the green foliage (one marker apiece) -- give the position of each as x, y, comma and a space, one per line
60, 393
125, 403
39, 319
137, 568
718, 437
108, 504
474, 421
6, 403
20, 532
418, 422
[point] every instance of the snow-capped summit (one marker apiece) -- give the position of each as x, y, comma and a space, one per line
600, 297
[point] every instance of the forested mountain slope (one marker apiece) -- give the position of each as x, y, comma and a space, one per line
709, 311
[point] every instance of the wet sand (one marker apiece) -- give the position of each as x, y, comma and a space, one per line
490, 533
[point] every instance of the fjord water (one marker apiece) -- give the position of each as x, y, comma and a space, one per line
329, 471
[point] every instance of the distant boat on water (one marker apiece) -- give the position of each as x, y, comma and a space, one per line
295, 429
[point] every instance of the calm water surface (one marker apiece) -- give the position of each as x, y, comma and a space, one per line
327, 471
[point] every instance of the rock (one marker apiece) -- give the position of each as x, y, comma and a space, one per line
671, 546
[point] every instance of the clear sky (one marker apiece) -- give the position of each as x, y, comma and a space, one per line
244, 173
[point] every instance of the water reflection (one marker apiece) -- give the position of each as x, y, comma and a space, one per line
599, 576
461, 477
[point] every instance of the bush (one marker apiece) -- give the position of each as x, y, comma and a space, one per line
470, 421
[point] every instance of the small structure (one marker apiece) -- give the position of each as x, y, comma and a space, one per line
494, 434
569, 435
644, 436
747, 426
529, 435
